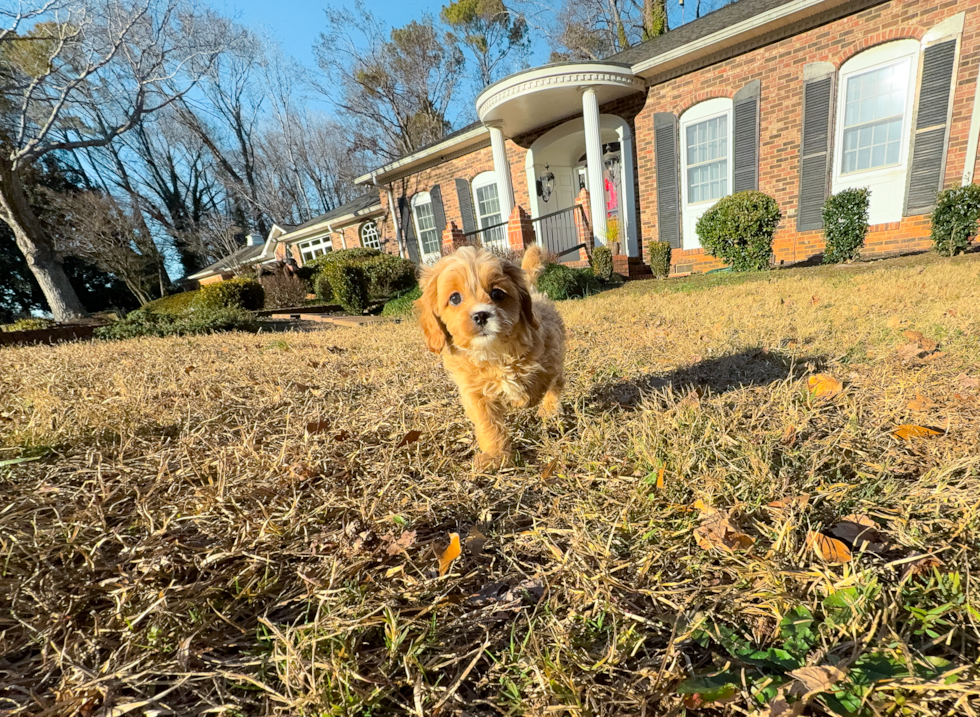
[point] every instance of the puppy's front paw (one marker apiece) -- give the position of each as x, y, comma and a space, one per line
549, 406
484, 462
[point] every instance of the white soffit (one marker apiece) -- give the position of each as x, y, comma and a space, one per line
544, 95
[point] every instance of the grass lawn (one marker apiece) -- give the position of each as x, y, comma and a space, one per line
244, 525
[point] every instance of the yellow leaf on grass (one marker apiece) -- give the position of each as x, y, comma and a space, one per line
549, 469
409, 438
823, 387
450, 554
826, 548
660, 478
718, 531
908, 432
921, 403
818, 679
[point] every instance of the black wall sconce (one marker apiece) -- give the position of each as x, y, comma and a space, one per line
545, 184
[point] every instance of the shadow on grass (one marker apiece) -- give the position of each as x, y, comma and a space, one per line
751, 367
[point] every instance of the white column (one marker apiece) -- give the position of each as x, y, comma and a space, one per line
593, 155
501, 167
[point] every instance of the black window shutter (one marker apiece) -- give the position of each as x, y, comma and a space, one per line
815, 154
745, 134
668, 200
438, 211
928, 149
466, 206
408, 228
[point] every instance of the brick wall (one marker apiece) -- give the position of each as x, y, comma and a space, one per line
779, 66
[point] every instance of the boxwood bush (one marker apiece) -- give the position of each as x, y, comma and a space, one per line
199, 321
239, 292
739, 230
602, 263
177, 304
561, 282
845, 224
384, 274
402, 305
348, 286
954, 220
660, 258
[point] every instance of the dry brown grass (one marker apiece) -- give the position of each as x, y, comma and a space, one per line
184, 545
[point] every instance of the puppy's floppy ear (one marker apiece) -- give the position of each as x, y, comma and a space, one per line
519, 277
435, 332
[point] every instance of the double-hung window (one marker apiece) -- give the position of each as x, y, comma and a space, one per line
706, 171
430, 242
486, 201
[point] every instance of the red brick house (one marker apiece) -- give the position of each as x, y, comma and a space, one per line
796, 98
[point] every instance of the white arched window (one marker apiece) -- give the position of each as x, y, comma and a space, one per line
706, 161
429, 240
486, 206
368, 234
874, 113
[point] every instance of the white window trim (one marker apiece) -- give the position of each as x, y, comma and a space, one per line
709, 109
887, 184
485, 179
321, 244
420, 199
377, 233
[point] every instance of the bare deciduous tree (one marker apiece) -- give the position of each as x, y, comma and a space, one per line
125, 58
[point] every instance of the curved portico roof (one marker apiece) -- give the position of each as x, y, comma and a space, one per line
535, 98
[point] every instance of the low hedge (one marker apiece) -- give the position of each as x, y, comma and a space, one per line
955, 218
199, 321
562, 282
739, 230
177, 304
602, 263
239, 292
660, 252
347, 284
32, 324
845, 224
384, 274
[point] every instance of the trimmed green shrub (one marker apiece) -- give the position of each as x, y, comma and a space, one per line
244, 293
348, 286
954, 220
322, 288
602, 263
845, 224
199, 321
660, 258
178, 304
561, 282
32, 324
387, 274
357, 254
402, 305
739, 230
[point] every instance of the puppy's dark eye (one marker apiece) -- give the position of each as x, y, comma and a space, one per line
455, 299
498, 295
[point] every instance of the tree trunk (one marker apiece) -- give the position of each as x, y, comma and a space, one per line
41, 258
654, 18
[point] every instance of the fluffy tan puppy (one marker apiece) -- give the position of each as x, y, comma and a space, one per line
501, 341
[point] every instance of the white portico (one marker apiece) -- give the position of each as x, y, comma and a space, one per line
543, 96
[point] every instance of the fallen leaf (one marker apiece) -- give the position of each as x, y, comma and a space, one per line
951, 312
342, 436
922, 565
404, 542
925, 344
818, 679
549, 469
450, 554
475, 541
908, 432
921, 403
814, 300
188, 369
823, 387
660, 478
784, 505
934, 355
968, 381
779, 707
894, 322
908, 352
789, 436
861, 532
410, 438
314, 427
718, 531
828, 549
314, 364
915, 336
301, 387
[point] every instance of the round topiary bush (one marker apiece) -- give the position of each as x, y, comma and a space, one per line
240, 292
954, 220
845, 224
602, 263
739, 230
348, 286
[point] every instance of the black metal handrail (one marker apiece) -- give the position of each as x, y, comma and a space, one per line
558, 233
485, 229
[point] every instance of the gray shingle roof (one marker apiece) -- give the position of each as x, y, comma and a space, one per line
355, 206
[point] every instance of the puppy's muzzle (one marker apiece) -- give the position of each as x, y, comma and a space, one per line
480, 318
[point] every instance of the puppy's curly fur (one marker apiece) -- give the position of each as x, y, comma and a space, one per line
501, 341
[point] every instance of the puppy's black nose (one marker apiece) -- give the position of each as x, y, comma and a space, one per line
480, 318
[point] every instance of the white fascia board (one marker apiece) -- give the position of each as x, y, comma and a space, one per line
418, 157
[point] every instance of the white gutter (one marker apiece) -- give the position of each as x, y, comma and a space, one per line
475, 133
